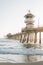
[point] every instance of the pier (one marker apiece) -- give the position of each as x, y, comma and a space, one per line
29, 33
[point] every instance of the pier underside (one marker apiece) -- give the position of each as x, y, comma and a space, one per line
29, 35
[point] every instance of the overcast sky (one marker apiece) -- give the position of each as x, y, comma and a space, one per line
12, 14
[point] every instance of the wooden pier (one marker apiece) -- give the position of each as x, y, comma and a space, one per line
29, 33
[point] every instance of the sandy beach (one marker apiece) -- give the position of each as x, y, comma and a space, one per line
33, 63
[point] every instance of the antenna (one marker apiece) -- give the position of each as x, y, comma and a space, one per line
29, 11
38, 22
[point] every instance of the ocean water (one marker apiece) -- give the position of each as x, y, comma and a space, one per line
15, 52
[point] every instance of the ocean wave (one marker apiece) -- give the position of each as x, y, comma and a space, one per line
15, 47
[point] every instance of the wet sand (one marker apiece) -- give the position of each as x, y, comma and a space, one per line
33, 63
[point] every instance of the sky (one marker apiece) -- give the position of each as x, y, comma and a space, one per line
12, 14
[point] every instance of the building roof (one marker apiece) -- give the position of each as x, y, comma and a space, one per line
29, 15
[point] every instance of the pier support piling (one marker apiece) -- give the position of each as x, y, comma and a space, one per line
39, 37
21, 38
35, 37
28, 38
